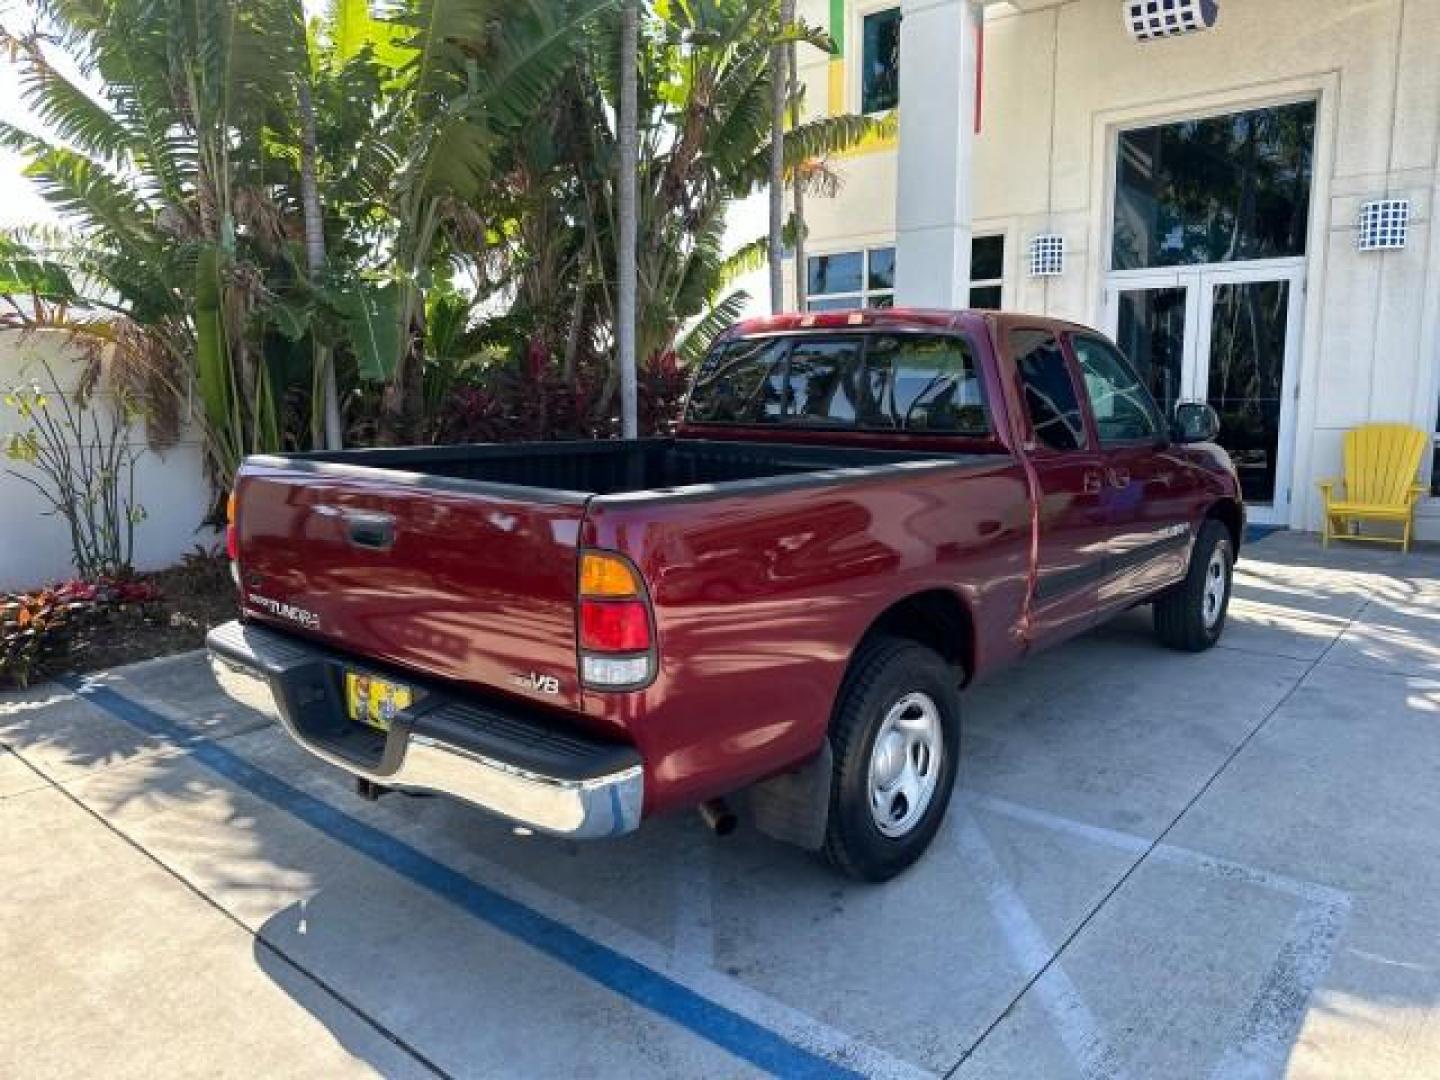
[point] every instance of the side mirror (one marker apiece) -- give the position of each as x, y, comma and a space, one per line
1195, 422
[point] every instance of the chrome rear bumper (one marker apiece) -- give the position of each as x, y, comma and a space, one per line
522, 768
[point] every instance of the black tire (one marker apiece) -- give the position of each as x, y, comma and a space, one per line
885, 672
1185, 617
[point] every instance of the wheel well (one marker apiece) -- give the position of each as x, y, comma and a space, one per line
937, 619
1227, 512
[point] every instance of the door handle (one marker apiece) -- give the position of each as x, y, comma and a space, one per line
1093, 481
370, 530
1120, 478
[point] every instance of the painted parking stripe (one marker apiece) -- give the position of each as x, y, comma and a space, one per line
1093, 1056
1267, 1033
632, 980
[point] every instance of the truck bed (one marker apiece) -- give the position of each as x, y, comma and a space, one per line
583, 469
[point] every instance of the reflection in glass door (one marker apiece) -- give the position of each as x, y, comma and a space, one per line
1230, 337
1151, 332
1247, 352
1246, 361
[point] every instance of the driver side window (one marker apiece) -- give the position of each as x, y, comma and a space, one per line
1123, 409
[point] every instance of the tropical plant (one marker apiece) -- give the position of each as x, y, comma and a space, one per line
83, 466
460, 81
395, 200
35, 632
149, 115
704, 140
38, 627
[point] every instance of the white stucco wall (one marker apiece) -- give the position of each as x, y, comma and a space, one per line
1062, 78
35, 547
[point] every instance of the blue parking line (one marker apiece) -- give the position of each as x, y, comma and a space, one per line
629, 978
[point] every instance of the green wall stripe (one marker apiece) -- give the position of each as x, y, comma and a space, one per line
837, 25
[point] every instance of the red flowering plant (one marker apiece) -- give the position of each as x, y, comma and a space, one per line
38, 627
533, 401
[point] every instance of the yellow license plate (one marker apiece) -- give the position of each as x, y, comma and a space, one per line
374, 701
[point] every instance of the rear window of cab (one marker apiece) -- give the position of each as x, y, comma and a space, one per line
922, 383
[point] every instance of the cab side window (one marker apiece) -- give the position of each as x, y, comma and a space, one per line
741, 383
1124, 411
932, 384
1050, 396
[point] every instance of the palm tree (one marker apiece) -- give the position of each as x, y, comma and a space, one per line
167, 213
798, 180
626, 162
258, 207
705, 139
462, 79
194, 176
779, 70
325, 424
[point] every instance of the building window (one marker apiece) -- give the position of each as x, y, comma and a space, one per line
851, 279
855, 279
880, 61
1221, 189
987, 272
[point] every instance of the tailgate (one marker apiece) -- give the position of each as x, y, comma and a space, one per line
449, 578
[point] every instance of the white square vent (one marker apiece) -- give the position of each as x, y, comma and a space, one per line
1384, 225
1150, 19
1047, 255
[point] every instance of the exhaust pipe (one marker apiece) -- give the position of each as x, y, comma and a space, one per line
719, 817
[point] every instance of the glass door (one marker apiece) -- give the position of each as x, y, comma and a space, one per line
1150, 317
1229, 336
1247, 358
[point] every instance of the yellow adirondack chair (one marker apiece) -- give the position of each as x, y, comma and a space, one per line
1382, 466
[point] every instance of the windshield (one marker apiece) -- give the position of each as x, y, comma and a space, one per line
864, 382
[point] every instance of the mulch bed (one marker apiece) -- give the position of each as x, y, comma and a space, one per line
194, 597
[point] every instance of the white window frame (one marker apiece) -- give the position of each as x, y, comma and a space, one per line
866, 293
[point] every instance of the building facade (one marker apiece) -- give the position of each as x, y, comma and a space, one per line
1246, 206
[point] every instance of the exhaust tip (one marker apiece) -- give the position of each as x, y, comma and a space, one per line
716, 813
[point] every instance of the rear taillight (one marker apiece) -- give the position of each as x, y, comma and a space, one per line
617, 636
232, 539
614, 626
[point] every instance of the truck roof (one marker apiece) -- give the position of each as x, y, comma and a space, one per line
901, 318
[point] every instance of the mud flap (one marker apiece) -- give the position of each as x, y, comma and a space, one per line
794, 807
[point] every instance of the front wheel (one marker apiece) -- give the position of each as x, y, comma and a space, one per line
896, 741
1191, 617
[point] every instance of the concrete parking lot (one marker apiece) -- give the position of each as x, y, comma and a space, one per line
1157, 865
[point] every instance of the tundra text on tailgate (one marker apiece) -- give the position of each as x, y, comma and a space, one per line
861, 513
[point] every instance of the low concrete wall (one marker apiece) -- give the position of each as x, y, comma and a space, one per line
34, 545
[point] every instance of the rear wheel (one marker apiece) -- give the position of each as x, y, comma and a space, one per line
896, 742
1191, 617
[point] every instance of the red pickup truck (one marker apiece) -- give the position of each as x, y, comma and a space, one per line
861, 513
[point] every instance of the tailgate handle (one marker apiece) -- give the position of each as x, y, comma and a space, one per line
375, 531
